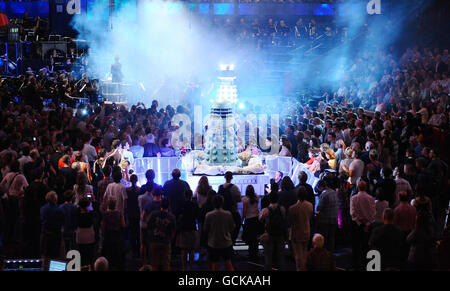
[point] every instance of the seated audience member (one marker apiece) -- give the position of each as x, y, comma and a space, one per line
151, 150
166, 149
137, 150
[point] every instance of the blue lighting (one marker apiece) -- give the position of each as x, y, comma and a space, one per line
203, 8
223, 9
248, 9
348, 9
299, 9
323, 9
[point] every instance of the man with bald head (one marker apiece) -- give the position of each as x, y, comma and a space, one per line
174, 190
319, 258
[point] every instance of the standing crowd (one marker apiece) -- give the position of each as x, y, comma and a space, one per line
382, 169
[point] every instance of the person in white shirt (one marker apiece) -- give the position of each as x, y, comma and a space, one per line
25, 157
137, 150
355, 169
118, 191
362, 211
88, 150
402, 185
126, 154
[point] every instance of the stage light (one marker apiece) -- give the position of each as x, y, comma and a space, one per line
241, 106
142, 86
84, 112
227, 67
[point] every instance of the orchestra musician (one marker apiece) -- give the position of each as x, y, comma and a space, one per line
300, 30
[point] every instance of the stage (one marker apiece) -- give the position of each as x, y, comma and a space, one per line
163, 167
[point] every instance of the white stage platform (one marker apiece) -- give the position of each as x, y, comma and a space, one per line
242, 181
163, 167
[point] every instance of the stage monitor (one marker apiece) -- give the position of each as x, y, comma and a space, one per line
57, 265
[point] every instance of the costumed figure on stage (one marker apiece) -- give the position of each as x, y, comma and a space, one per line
117, 78
221, 142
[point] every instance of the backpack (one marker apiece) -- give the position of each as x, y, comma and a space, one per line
227, 199
275, 226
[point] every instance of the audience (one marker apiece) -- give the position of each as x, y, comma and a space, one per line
382, 133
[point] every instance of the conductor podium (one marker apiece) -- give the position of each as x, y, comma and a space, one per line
114, 92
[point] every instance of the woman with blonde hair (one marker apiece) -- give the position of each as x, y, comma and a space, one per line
345, 163
82, 187
201, 193
81, 166
331, 156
